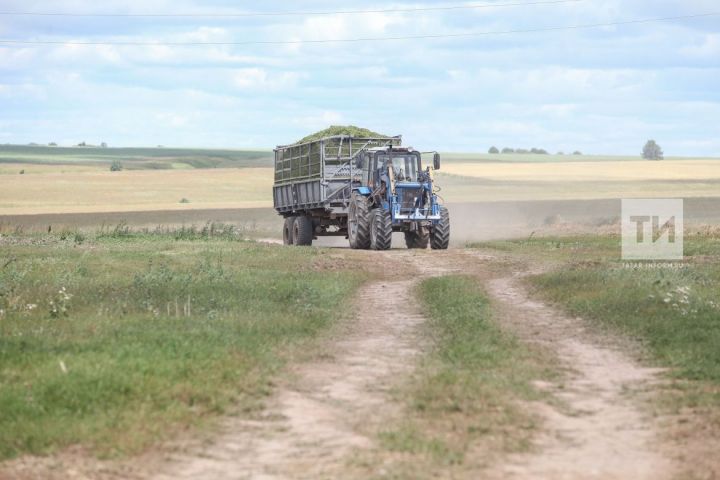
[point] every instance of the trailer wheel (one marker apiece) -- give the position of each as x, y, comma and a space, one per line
288, 230
381, 230
303, 231
440, 235
359, 222
419, 239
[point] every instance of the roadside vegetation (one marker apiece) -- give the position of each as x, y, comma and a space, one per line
672, 310
463, 406
116, 340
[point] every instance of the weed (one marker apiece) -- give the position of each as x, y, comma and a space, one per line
114, 345
466, 393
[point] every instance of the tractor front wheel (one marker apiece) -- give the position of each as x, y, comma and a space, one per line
381, 229
440, 235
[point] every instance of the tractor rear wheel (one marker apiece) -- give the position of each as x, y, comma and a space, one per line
288, 230
440, 235
381, 229
303, 231
417, 239
359, 222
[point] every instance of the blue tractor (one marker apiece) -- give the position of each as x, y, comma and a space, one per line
361, 188
395, 194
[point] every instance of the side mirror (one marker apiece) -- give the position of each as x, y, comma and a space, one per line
436, 161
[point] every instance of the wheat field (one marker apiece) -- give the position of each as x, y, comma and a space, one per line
138, 190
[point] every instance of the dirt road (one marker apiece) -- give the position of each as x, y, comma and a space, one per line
330, 407
329, 410
599, 429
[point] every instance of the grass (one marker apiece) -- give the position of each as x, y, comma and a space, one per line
465, 396
115, 341
672, 310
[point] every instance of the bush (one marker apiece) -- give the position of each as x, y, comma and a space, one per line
577, 152
116, 166
184, 200
508, 150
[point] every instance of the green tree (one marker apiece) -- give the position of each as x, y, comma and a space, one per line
493, 150
652, 151
508, 150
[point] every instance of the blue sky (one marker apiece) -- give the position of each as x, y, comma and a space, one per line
604, 90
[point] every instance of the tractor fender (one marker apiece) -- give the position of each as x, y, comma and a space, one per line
365, 191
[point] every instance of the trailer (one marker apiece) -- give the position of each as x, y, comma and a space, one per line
359, 188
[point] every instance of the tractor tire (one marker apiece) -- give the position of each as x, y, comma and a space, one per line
303, 231
359, 222
419, 239
440, 235
288, 230
381, 230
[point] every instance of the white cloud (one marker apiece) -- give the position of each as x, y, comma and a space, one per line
319, 120
708, 48
172, 119
255, 78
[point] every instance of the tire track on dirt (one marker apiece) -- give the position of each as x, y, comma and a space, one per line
333, 406
600, 431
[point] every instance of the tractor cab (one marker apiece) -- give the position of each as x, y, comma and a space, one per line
402, 165
394, 178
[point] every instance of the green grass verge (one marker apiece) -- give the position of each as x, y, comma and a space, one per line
674, 310
119, 341
466, 394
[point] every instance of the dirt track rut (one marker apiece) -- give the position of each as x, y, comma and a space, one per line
598, 430
316, 420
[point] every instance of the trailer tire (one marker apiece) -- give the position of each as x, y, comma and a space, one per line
381, 230
288, 226
303, 231
419, 239
359, 222
440, 235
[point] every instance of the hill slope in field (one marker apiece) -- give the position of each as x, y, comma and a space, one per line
158, 158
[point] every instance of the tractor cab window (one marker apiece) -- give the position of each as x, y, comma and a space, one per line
405, 167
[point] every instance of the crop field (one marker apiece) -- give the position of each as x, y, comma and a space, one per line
150, 325
138, 190
78, 180
132, 158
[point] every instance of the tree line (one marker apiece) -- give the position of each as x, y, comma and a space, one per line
536, 151
651, 151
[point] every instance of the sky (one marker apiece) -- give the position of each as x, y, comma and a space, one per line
599, 90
